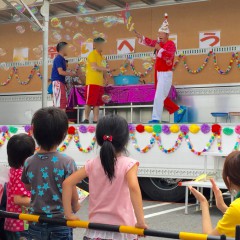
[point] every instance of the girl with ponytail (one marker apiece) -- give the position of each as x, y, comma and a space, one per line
115, 196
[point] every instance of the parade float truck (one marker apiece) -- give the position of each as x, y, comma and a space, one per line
168, 153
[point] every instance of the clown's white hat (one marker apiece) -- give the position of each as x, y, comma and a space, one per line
165, 25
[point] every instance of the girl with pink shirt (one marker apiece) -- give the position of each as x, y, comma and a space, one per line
115, 196
19, 148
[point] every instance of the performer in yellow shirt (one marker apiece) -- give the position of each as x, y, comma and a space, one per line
95, 81
231, 218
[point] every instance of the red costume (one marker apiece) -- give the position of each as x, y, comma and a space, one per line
164, 63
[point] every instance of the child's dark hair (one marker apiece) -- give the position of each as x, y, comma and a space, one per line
60, 46
231, 169
112, 135
19, 148
50, 126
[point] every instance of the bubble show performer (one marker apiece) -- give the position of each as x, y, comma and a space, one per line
95, 80
59, 72
165, 50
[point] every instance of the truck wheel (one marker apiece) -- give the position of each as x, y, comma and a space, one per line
162, 189
84, 185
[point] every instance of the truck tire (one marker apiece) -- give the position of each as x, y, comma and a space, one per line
162, 189
84, 185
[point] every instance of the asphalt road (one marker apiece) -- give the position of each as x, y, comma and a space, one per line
161, 216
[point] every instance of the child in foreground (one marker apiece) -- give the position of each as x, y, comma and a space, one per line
19, 148
231, 218
45, 172
113, 184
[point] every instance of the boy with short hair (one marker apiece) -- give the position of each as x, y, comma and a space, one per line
59, 72
45, 172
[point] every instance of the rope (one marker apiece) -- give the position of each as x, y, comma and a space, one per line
111, 228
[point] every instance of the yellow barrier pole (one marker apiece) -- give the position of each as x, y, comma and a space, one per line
111, 228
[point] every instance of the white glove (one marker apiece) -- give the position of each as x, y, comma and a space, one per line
160, 52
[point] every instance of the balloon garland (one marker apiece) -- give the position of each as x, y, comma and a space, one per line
65, 143
199, 69
177, 144
5, 136
139, 74
14, 71
208, 145
218, 69
124, 66
154, 130
235, 56
135, 143
79, 146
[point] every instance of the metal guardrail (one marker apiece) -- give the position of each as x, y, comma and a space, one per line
116, 228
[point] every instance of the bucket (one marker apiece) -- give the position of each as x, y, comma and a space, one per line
126, 80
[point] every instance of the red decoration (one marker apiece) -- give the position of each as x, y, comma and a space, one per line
71, 130
216, 128
140, 128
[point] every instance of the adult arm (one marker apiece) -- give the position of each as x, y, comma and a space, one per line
21, 193
67, 187
221, 205
136, 197
145, 40
206, 219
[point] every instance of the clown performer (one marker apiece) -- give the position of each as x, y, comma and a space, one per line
165, 50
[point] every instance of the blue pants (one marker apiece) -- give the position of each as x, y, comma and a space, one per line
49, 232
16, 235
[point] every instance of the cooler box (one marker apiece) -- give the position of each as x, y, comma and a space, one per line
185, 118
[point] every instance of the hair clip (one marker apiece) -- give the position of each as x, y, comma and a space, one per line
107, 138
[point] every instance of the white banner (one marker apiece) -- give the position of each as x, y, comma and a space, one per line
20, 54
126, 46
86, 48
209, 39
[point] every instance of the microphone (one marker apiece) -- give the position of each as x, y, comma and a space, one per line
155, 50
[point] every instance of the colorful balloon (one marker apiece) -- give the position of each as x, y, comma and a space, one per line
18, 6
56, 22
79, 19
56, 36
67, 37
147, 65
82, 9
95, 33
67, 23
78, 38
106, 98
2, 52
72, 48
89, 20
34, 28
81, 2
20, 29
74, 25
34, 10
16, 18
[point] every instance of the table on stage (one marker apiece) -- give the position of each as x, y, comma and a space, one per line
129, 97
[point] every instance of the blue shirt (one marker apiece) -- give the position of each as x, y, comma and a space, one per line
59, 62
